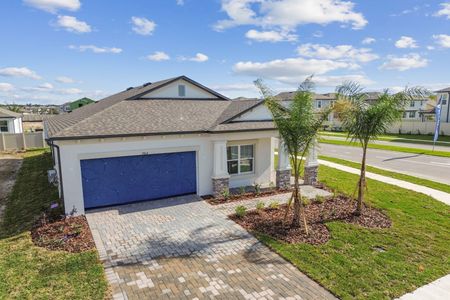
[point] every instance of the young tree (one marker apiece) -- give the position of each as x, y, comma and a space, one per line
298, 125
364, 121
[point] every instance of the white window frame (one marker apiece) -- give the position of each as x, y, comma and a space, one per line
412, 103
239, 159
319, 103
410, 113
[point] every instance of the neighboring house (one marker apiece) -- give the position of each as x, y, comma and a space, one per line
71, 106
163, 139
413, 110
443, 97
33, 122
10, 122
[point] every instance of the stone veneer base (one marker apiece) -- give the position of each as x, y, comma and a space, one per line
310, 175
283, 179
220, 185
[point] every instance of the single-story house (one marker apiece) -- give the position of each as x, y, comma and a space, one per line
10, 122
163, 139
34, 122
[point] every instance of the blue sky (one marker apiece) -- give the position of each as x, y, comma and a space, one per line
54, 51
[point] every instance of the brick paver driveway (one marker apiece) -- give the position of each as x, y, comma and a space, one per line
180, 248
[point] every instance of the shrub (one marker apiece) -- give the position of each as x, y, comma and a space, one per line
242, 190
274, 205
320, 199
225, 194
260, 205
305, 200
257, 188
240, 211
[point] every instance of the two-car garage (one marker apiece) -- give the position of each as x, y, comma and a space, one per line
126, 179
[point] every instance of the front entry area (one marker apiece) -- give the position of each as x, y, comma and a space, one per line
126, 179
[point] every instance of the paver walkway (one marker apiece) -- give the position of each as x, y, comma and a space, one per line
180, 248
438, 195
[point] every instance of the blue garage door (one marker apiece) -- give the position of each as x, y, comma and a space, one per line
120, 180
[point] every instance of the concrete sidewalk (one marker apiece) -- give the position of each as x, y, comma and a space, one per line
437, 290
438, 195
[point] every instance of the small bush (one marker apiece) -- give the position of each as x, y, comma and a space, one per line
260, 205
257, 188
305, 200
274, 205
240, 211
242, 190
272, 186
320, 199
225, 194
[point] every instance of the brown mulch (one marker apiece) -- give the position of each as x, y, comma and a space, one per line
244, 196
271, 221
71, 234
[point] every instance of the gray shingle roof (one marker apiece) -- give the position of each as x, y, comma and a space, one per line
125, 114
4, 113
447, 90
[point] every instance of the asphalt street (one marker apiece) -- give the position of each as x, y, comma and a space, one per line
424, 166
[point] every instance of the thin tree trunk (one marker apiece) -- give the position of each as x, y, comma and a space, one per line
362, 182
296, 218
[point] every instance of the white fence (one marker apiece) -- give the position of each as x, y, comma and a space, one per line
22, 141
405, 127
413, 127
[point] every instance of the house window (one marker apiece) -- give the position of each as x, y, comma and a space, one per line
319, 103
412, 114
3, 126
404, 115
443, 99
412, 103
240, 159
181, 90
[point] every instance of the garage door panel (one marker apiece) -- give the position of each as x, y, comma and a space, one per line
119, 180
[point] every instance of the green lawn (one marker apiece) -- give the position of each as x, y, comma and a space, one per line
417, 245
30, 272
425, 182
387, 147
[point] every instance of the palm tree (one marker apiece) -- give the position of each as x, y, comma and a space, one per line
298, 125
364, 122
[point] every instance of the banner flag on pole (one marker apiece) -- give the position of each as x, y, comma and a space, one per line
438, 121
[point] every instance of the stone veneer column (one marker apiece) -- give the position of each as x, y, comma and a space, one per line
283, 172
311, 166
220, 178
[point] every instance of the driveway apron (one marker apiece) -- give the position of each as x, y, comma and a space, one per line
180, 248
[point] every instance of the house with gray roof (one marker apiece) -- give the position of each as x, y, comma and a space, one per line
10, 122
162, 139
443, 97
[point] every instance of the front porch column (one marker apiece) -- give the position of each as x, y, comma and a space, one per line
220, 178
283, 173
311, 165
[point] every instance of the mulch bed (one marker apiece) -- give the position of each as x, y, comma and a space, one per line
341, 208
71, 234
244, 196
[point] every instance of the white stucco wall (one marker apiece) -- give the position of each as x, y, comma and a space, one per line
171, 91
74, 151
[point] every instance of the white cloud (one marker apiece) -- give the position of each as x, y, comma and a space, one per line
53, 6
46, 86
368, 41
289, 14
270, 36
19, 72
290, 70
406, 42
333, 81
6, 87
340, 52
199, 57
442, 40
143, 26
64, 79
180, 2
444, 11
158, 56
95, 49
234, 87
72, 24
68, 91
405, 62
